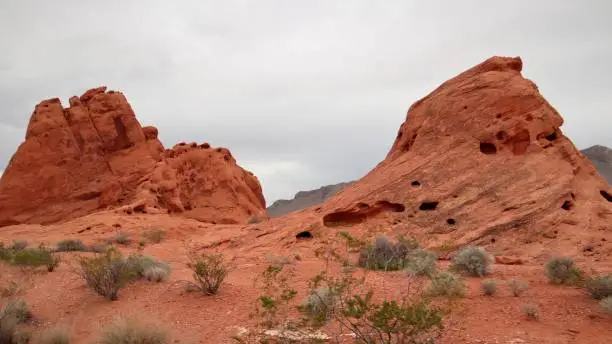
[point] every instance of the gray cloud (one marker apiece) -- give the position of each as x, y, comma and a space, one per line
303, 93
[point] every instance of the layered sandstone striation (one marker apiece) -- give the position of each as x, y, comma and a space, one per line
482, 159
95, 155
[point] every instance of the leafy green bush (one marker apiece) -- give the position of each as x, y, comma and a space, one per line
600, 287
472, 260
155, 235
606, 304
209, 271
36, 257
531, 311
445, 283
489, 287
421, 262
562, 270
55, 335
384, 255
106, 273
71, 245
517, 287
130, 331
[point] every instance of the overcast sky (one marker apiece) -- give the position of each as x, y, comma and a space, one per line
304, 93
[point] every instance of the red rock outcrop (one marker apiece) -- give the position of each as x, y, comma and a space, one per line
95, 154
482, 159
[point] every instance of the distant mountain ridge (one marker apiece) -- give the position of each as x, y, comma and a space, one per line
600, 156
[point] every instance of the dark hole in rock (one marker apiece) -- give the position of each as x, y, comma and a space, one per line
464, 107
499, 115
394, 207
605, 195
129, 212
493, 240
226, 158
318, 209
415, 183
140, 209
117, 225
488, 148
551, 137
501, 135
362, 205
451, 221
567, 205
304, 235
455, 196
573, 196
556, 231
428, 206
529, 118
188, 207
218, 150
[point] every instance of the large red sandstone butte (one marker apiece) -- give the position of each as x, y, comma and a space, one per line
95, 155
482, 160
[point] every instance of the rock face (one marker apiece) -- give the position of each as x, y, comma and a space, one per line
95, 155
482, 160
602, 159
305, 199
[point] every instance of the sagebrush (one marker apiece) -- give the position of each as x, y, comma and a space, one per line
132, 331
517, 287
445, 283
209, 271
600, 287
472, 260
71, 245
489, 287
106, 273
562, 270
385, 255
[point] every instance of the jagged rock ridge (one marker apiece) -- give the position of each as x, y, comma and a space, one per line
305, 199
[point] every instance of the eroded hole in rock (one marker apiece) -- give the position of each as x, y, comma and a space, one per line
567, 205
498, 116
451, 222
140, 209
605, 195
551, 137
304, 235
493, 240
123, 141
360, 212
520, 142
488, 148
428, 206
501, 135
343, 217
464, 107
529, 118
415, 183
394, 207
362, 205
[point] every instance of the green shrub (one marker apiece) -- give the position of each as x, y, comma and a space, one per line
606, 304
56, 335
18, 309
36, 257
130, 331
154, 236
19, 245
445, 283
120, 238
561, 270
600, 287
474, 261
489, 287
6, 253
319, 305
531, 311
107, 273
71, 245
384, 255
517, 287
209, 271
421, 262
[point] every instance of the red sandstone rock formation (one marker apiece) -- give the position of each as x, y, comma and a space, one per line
481, 160
95, 155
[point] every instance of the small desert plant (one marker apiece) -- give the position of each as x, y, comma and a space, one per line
384, 255
531, 311
489, 287
278, 260
319, 305
19, 245
18, 309
120, 238
106, 273
11, 289
273, 305
155, 235
517, 287
600, 287
445, 283
71, 245
474, 261
130, 331
55, 335
606, 304
6, 253
561, 270
8, 330
36, 257
98, 248
209, 271
156, 274
141, 266
421, 262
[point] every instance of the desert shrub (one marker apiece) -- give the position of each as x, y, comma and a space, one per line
55, 335
120, 238
6, 253
18, 309
278, 260
156, 274
98, 248
209, 271
19, 245
606, 304
11, 289
155, 235
561, 270
445, 283
130, 331
517, 287
489, 287
106, 273
384, 255
36, 257
319, 305
140, 266
70, 245
421, 262
531, 311
273, 304
472, 260
600, 287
